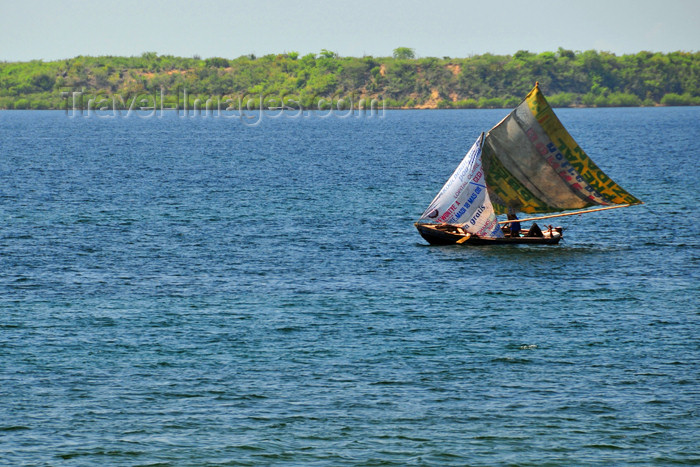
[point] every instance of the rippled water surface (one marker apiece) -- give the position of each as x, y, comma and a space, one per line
197, 291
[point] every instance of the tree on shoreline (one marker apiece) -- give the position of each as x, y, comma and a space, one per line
404, 53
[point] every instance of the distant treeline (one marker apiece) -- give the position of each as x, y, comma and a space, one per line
568, 78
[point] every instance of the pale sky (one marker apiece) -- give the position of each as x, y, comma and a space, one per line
49, 29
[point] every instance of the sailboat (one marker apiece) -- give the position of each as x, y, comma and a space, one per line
527, 163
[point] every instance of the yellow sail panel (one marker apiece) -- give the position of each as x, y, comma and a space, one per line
572, 152
533, 165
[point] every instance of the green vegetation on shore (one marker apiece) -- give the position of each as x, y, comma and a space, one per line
590, 78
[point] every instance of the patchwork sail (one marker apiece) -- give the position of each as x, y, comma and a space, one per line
533, 165
528, 163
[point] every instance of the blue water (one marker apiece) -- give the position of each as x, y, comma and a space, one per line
200, 292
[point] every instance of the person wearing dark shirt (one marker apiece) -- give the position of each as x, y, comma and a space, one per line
534, 231
514, 226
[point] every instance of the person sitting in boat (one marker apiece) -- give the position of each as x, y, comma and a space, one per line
513, 227
534, 231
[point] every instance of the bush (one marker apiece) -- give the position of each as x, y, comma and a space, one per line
511, 102
444, 104
600, 101
677, 99
466, 104
392, 103
216, 62
588, 99
40, 105
491, 103
621, 99
22, 104
562, 99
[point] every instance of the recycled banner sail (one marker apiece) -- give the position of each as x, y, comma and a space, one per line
464, 199
533, 165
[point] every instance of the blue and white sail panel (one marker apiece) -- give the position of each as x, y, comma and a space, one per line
464, 199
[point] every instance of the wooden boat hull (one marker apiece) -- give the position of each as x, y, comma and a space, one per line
437, 234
